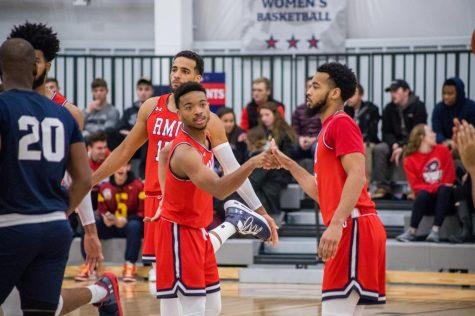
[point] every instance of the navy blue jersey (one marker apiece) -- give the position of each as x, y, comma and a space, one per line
34, 151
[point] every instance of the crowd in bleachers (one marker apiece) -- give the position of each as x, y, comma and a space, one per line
401, 148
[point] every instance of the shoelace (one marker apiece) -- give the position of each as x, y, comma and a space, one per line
249, 228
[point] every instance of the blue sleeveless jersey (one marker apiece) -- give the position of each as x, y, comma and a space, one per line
34, 151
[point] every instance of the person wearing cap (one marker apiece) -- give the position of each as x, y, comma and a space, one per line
144, 91
404, 112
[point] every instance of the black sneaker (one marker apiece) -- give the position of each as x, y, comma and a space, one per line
246, 221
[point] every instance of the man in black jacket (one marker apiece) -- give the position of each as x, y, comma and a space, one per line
366, 115
404, 112
144, 90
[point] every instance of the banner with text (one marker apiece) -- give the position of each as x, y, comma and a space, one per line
215, 85
299, 26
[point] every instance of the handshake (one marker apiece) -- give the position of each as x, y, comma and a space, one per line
272, 158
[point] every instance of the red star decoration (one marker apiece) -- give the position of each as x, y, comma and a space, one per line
293, 42
313, 42
271, 42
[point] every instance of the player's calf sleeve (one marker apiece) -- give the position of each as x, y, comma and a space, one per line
220, 234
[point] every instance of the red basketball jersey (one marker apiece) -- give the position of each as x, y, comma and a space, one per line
339, 136
59, 99
184, 203
162, 127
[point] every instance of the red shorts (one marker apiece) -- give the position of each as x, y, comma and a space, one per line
185, 261
360, 262
150, 207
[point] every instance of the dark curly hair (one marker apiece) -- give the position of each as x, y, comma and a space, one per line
343, 78
185, 88
40, 36
200, 64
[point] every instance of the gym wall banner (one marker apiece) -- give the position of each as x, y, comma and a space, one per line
215, 85
294, 26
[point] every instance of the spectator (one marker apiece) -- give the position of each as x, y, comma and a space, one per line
144, 91
404, 112
121, 207
232, 132
277, 128
464, 141
307, 128
52, 84
265, 182
454, 105
431, 174
366, 115
98, 152
261, 93
99, 114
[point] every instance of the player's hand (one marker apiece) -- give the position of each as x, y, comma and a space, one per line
464, 140
156, 215
274, 239
396, 156
107, 220
92, 247
264, 160
329, 242
283, 160
92, 106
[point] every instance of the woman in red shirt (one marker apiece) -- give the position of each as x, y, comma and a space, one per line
431, 174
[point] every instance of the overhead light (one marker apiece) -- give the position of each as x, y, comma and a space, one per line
81, 3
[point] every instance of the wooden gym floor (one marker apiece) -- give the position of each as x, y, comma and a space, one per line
290, 299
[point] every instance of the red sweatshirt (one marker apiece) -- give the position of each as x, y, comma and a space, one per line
122, 201
429, 171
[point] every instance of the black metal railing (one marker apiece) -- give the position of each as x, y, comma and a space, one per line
424, 70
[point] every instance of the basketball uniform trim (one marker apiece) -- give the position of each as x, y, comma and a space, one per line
367, 296
178, 285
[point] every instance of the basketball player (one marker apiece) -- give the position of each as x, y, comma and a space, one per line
38, 142
158, 121
186, 265
46, 45
354, 243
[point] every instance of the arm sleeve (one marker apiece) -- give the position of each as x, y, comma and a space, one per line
344, 136
85, 211
228, 162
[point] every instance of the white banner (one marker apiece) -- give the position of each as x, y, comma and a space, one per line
298, 26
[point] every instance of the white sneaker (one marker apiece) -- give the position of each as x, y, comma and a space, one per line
151, 275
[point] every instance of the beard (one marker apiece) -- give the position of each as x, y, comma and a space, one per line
40, 80
318, 107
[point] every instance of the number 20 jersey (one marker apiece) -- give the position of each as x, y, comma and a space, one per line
163, 126
35, 138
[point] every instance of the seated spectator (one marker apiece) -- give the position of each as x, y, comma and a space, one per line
431, 174
261, 93
144, 91
464, 141
404, 112
277, 128
366, 115
52, 84
233, 131
266, 183
99, 114
98, 152
307, 128
120, 215
454, 104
